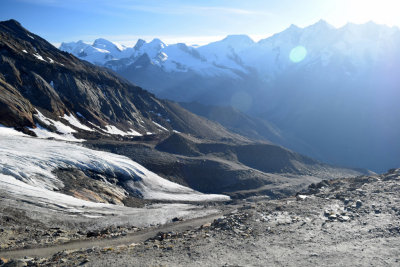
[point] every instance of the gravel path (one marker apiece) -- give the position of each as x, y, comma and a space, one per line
126, 239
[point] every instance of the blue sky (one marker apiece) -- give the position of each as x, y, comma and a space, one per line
189, 21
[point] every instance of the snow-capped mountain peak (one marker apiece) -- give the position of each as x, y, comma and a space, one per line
321, 24
157, 43
139, 44
106, 45
238, 40
74, 47
293, 27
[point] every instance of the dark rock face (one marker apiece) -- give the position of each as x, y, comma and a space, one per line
14, 108
177, 144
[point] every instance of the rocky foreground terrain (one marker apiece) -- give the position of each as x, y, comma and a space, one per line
341, 222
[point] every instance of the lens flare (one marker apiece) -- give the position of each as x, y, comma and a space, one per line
298, 54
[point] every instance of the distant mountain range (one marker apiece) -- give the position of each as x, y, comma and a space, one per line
337, 90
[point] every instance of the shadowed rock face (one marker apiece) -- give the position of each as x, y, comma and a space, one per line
14, 108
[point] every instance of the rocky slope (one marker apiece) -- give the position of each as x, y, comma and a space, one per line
249, 126
237, 121
222, 167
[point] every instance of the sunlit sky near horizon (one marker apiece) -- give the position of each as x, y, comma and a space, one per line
189, 21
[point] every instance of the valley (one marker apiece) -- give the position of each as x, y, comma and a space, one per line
97, 171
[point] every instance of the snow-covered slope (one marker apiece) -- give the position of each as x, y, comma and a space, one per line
99, 52
32, 161
225, 53
354, 46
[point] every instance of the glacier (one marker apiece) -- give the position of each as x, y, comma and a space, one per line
31, 161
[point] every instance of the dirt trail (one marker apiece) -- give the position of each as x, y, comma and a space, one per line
128, 239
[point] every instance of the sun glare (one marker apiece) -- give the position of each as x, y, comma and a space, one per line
382, 11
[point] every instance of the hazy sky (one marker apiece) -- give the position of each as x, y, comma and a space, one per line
189, 21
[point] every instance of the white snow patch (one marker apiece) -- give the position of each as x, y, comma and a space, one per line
159, 126
62, 128
26, 52
39, 57
91, 123
45, 134
74, 121
51, 60
111, 129
30, 36
133, 132
9, 131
